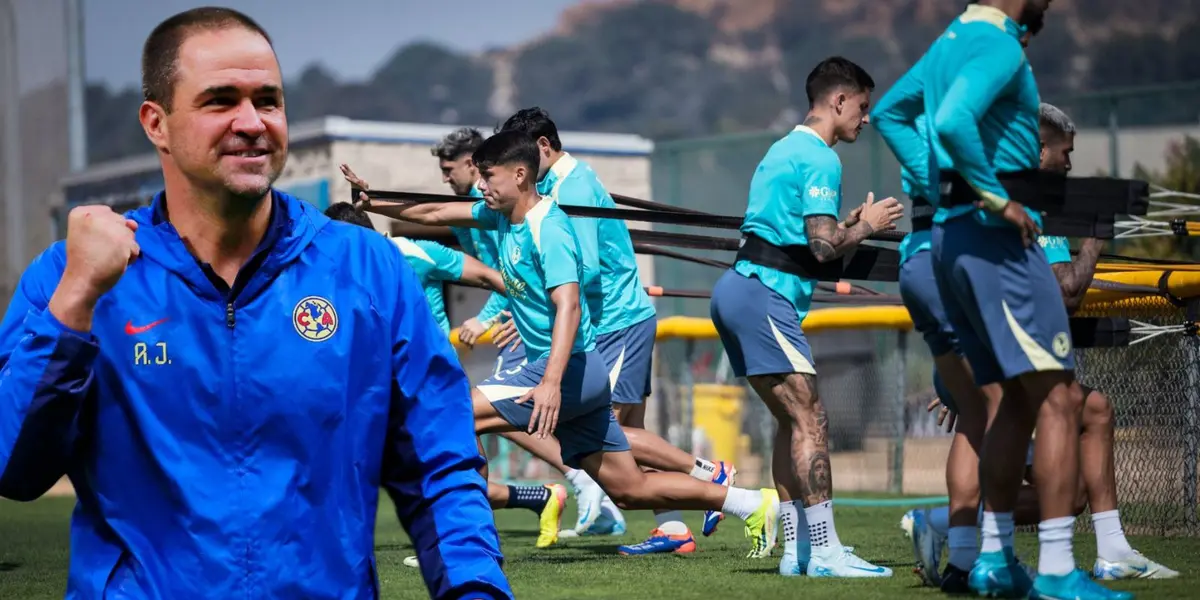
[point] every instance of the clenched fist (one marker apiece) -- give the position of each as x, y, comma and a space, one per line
100, 246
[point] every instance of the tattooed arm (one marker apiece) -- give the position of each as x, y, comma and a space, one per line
1075, 277
829, 240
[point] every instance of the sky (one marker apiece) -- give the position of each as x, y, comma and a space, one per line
350, 37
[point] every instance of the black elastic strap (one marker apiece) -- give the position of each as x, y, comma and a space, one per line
1099, 332
868, 263
922, 214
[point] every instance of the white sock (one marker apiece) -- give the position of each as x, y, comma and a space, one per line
704, 469
1111, 544
964, 546
579, 478
742, 503
821, 532
1054, 555
997, 531
795, 530
671, 522
939, 519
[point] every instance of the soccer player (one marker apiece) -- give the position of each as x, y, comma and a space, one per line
459, 172
228, 378
899, 117
433, 264
795, 200
1000, 295
563, 389
625, 324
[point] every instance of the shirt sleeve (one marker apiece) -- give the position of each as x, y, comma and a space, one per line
559, 253
46, 374
990, 67
821, 189
447, 262
1057, 249
431, 461
486, 217
899, 119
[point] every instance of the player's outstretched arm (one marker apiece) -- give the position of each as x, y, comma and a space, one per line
480, 275
828, 240
449, 214
431, 461
1076, 276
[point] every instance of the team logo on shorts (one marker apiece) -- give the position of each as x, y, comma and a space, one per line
1062, 344
315, 319
514, 255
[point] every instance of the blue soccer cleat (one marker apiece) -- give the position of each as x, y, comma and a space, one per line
1074, 586
999, 575
927, 548
724, 475
661, 543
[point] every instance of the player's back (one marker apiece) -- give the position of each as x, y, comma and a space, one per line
977, 69
624, 301
800, 176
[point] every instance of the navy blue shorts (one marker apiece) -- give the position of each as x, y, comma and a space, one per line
586, 424
918, 289
509, 360
629, 354
1002, 300
759, 328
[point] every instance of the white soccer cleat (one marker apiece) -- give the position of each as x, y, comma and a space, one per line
840, 561
589, 500
411, 561
1135, 566
906, 524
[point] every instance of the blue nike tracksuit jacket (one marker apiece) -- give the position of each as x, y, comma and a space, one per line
231, 443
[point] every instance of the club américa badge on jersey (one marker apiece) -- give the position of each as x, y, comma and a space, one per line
315, 319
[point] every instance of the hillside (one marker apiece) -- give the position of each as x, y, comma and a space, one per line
672, 68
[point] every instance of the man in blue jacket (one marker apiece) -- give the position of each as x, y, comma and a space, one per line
227, 377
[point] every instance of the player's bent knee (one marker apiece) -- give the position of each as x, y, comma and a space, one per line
487, 419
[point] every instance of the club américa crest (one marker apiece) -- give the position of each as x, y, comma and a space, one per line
315, 319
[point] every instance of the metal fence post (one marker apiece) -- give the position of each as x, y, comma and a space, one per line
1191, 436
896, 478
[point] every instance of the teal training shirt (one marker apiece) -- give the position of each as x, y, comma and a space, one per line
899, 116
536, 256
433, 264
481, 244
981, 95
1057, 249
799, 177
616, 296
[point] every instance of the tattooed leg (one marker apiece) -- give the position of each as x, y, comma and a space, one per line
801, 458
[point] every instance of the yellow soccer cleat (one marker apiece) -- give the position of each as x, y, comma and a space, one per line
762, 525
551, 515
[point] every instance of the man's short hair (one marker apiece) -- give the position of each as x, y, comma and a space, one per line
836, 73
347, 213
509, 147
535, 122
461, 141
1055, 121
160, 54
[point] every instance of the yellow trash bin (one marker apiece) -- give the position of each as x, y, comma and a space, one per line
717, 410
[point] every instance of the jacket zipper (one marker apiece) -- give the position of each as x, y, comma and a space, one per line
230, 321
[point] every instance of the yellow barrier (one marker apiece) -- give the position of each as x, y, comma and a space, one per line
717, 410
1180, 283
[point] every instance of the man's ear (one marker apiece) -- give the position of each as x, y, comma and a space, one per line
154, 122
839, 103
